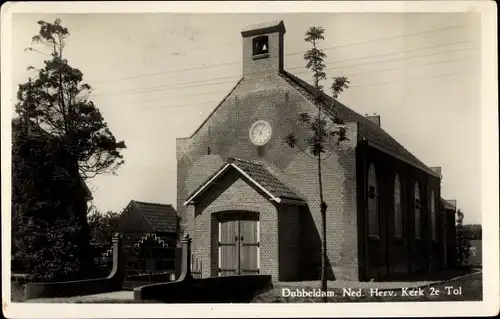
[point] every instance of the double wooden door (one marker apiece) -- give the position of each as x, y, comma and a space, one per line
238, 244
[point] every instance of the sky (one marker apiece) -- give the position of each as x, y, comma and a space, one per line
156, 77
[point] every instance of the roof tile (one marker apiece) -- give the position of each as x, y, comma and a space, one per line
367, 129
162, 217
260, 174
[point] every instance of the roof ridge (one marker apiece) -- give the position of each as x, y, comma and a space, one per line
150, 203
358, 118
134, 202
217, 107
310, 87
255, 173
257, 162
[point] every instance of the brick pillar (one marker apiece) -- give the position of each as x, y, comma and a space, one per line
119, 271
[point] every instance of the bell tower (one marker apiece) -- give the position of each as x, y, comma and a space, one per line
263, 48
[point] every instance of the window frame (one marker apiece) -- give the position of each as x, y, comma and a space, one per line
417, 207
255, 41
398, 208
434, 217
373, 216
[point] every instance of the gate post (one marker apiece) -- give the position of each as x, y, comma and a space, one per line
151, 262
119, 271
186, 259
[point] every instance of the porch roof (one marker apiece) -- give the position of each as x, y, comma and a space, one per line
257, 174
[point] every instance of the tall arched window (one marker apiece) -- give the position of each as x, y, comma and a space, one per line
418, 210
433, 215
398, 213
372, 202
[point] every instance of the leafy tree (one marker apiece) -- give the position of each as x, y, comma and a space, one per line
473, 231
462, 241
50, 241
325, 129
58, 101
61, 140
102, 228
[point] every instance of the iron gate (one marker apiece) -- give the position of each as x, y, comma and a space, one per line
149, 260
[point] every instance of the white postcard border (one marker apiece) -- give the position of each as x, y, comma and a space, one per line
489, 164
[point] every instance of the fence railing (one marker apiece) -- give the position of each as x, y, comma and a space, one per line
147, 262
104, 264
196, 268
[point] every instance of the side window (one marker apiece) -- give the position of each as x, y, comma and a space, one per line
418, 212
433, 216
398, 213
372, 202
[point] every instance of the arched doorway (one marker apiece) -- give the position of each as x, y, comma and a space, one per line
238, 243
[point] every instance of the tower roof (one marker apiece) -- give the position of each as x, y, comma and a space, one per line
261, 28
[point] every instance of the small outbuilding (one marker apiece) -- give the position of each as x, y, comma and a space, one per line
141, 218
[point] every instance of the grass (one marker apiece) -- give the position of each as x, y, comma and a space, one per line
88, 300
16, 291
17, 295
471, 290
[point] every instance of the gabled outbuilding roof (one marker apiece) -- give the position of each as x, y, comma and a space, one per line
161, 217
256, 173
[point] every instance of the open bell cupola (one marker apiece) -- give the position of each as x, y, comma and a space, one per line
263, 48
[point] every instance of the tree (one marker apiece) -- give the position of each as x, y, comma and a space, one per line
473, 231
462, 241
58, 101
324, 128
55, 116
49, 240
102, 228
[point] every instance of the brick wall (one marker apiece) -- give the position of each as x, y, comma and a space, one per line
450, 231
264, 95
388, 257
272, 64
289, 242
268, 97
233, 193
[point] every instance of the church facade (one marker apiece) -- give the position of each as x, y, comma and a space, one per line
251, 203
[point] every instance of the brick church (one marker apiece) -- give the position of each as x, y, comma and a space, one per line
251, 203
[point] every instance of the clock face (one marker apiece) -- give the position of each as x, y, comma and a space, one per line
260, 133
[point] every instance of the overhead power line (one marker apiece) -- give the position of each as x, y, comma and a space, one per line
399, 52
390, 60
288, 54
140, 167
213, 103
388, 38
175, 86
352, 74
177, 97
351, 86
411, 78
411, 66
